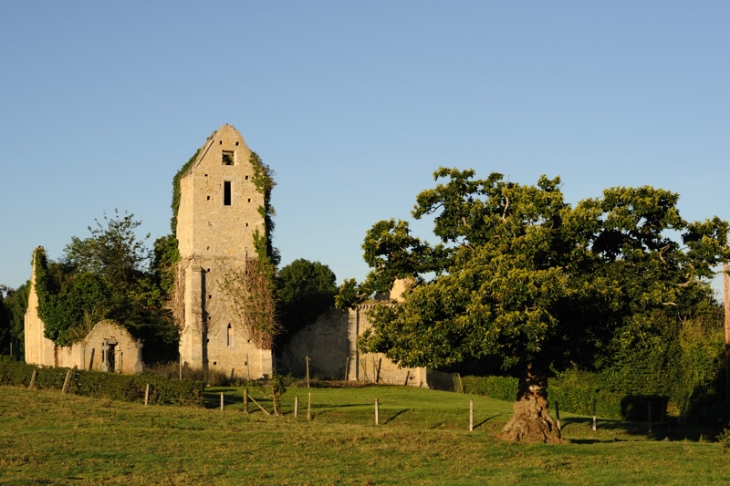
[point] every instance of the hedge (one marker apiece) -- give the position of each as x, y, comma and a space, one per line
575, 393
129, 388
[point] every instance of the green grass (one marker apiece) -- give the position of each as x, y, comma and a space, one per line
423, 438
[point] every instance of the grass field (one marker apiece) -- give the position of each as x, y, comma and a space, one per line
423, 438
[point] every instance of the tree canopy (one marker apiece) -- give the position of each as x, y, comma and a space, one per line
105, 276
305, 290
520, 274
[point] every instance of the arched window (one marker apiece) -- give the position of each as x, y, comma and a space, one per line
229, 336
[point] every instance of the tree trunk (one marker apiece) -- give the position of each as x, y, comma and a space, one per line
531, 421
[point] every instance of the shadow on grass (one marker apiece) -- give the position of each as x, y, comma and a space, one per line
476, 426
400, 412
657, 431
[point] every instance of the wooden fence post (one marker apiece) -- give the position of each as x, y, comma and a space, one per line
147, 394
296, 406
221, 401
471, 415
255, 403
309, 406
245, 400
377, 412
594, 414
32, 379
66, 382
306, 360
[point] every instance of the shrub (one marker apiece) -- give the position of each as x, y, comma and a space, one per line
498, 387
130, 388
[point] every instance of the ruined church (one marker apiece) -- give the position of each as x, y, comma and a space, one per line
218, 220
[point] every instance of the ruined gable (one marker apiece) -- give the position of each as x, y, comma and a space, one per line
218, 216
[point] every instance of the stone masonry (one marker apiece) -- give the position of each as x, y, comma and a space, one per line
216, 222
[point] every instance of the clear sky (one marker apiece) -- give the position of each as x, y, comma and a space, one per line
354, 105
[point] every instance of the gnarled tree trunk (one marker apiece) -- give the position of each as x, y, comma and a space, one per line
531, 421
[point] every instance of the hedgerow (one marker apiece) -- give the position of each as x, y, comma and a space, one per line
128, 388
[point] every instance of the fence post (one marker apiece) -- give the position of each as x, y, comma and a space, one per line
471, 415
32, 379
306, 360
377, 412
66, 382
594, 414
221, 401
296, 406
245, 400
309, 406
147, 394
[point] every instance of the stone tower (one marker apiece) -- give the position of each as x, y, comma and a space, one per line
216, 222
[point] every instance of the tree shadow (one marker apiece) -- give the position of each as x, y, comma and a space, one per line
400, 412
476, 426
656, 431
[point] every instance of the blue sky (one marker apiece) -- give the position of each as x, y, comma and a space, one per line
354, 105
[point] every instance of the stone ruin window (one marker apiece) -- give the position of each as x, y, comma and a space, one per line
227, 193
228, 157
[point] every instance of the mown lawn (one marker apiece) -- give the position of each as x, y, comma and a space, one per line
423, 438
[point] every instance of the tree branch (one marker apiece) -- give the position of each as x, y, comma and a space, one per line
690, 279
506, 207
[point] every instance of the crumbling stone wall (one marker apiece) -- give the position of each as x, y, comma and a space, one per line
216, 222
330, 343
107, 347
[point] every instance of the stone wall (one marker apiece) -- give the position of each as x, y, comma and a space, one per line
38, 348
324, 342
107, 347
330, 343
216, 223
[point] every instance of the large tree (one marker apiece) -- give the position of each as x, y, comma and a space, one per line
522, 275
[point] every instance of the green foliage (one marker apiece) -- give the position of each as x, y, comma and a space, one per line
16, 303
305, 290
263, 180
522, 275
129, 388
176, 190
4, 323
574, 391
105, 276
497, 387
113, 251
164, 265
